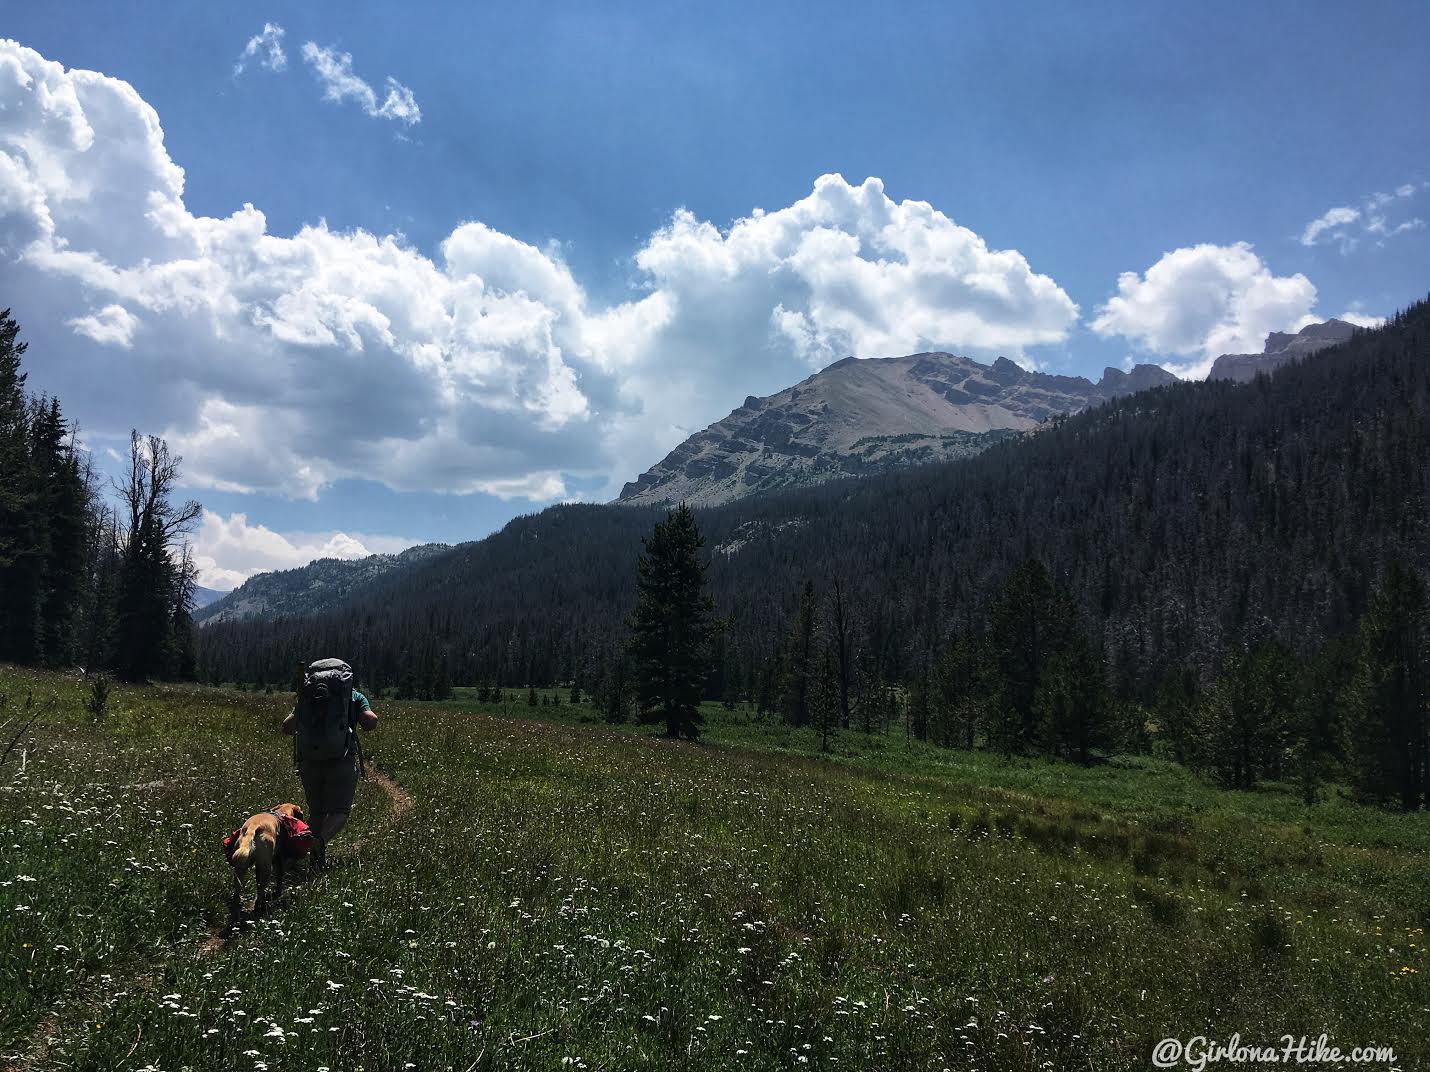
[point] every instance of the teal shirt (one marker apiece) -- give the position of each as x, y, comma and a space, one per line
360, 705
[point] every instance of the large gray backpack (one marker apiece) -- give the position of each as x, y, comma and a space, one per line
325, 729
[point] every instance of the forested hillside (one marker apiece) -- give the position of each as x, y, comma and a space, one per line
1186, 522
308, 589
83, 580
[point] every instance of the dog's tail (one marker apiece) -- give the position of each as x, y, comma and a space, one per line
244, 849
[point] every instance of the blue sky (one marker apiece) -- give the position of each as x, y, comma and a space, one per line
399, 376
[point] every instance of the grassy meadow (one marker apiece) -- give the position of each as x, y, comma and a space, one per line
566, 895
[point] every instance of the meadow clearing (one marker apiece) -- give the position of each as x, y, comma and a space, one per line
565, 895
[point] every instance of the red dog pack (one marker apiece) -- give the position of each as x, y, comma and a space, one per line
295, 837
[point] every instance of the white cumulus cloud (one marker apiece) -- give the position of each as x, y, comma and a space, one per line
335, 71
229, 550
1203, 301
266, 47
113, 325
281, 363
845, 271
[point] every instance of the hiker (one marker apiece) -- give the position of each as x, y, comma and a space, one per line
326, 750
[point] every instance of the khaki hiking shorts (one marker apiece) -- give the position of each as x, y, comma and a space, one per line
329, 786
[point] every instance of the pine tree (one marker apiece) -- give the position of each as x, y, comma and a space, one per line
1029, 624
66, 494
1326, 690
960, 688
840, 627
1391, 731
442, 680
798, 661
920, 713
1243, 722
96, 641
20, 562
1072, 701
616, 691
671, 627
824, 709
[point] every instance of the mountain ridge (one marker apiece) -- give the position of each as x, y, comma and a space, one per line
1185, 522
867, 415
1281, 348
320, 584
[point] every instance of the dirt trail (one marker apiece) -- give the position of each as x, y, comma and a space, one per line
401, 804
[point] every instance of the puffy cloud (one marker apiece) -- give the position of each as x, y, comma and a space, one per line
1339, 224
272, 362
847, 271
335, 71
113, 325
1203, 301
844, 271
266, 47
282, 363
245, 549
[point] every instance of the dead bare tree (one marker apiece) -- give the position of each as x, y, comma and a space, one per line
155, 583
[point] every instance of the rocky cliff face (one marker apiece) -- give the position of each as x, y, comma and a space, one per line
1280, 348
863, 416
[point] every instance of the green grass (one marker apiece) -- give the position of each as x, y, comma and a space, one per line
566, 894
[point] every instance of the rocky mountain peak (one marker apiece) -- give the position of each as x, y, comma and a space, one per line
1281, 347
861, 416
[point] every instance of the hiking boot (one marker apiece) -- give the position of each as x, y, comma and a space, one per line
318, 860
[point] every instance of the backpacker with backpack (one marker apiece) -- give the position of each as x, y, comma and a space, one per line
324, 713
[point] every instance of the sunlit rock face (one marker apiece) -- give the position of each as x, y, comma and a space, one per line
1281, 347
865, 416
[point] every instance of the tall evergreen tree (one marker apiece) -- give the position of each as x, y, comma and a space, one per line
64, 495
824, 710
797, 666
840, 628
1244, 721
1072, 701
960, 691
615, 689
1391, 730
1030, 623
671, 627
21, 564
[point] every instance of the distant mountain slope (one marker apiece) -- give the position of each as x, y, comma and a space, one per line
1185, 522
1280, 348
308, 589
862, 416
204, 596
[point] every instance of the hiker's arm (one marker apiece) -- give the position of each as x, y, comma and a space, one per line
364, 714
290, 724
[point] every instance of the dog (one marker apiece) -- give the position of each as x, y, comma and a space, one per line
258, 844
